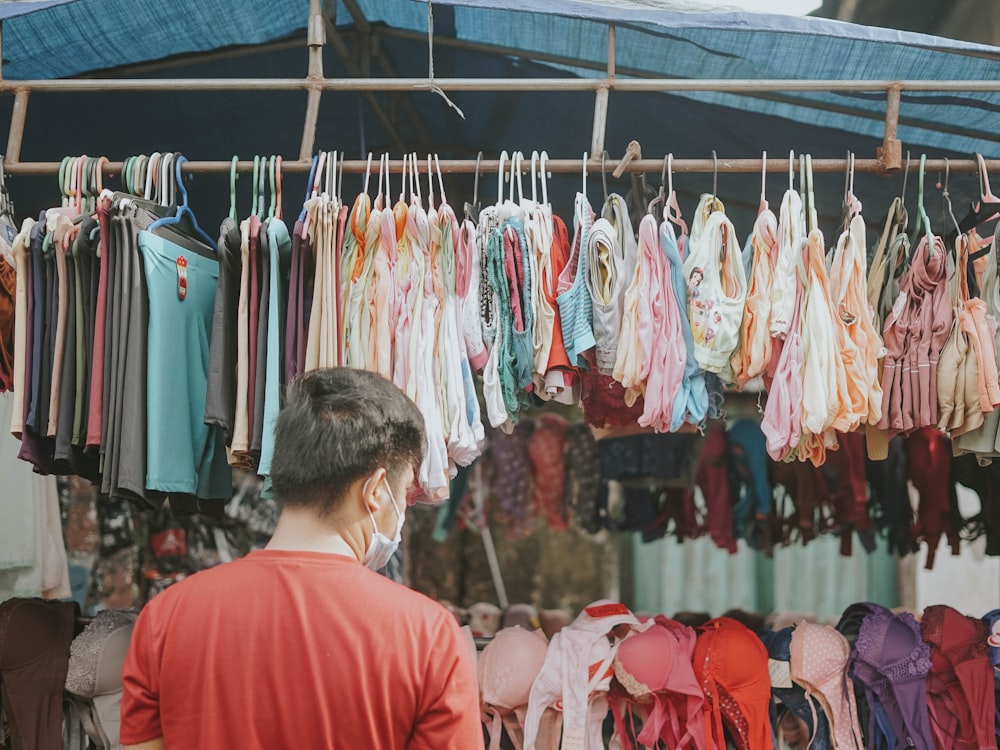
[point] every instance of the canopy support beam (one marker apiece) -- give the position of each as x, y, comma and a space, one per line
601, 99
317, 38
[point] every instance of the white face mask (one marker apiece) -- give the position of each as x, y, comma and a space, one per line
382, 548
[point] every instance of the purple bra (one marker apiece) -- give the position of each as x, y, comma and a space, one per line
892, 661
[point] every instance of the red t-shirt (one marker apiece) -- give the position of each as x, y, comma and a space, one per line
298, 650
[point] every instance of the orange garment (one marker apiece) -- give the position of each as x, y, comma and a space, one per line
825, 397
559, 373
756, 350
857, 338
390, 671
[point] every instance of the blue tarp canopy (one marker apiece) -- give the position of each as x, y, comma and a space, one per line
42, 40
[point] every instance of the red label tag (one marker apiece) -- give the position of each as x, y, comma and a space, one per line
607, 610
182, 277
593, 670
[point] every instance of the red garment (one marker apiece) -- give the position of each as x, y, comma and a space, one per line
298, 650
559, 254
713, 479
960, 695
928, 457
546, 448
850, 497
95, 402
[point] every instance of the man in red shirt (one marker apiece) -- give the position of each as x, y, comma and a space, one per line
302, 644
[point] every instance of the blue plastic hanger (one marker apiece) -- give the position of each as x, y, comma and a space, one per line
312, 174
182, 208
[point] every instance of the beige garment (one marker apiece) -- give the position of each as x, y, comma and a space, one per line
328, 348
60, 227
241, 425
313, 241
20, 250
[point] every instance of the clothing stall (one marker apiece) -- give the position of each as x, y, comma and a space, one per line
630, 367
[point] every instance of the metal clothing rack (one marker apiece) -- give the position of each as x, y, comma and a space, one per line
320, 26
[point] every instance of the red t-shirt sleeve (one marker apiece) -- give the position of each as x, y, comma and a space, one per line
449, 716
141, 693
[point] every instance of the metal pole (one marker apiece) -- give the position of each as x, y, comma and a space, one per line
16, 133
731, 85
468, 166
891, 151
317, 38
601, 99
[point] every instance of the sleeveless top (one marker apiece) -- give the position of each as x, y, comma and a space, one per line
575, 306
716, 291
755, 330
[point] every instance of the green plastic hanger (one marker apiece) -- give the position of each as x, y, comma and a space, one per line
64, 193
233, 176
923, 220
274, 195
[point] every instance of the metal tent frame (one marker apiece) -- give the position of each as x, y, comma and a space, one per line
888, 159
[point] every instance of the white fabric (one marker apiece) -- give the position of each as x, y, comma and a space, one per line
565, 679
790, 235
32, 550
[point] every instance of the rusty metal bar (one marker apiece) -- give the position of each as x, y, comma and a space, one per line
317, 38
601, 99
731, 85
16, 133
890, 153
468, 166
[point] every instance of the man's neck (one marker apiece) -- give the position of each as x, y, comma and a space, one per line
299, 530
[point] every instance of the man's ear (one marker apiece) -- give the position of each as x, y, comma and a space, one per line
369, 490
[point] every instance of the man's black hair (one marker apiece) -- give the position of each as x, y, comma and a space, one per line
337, 426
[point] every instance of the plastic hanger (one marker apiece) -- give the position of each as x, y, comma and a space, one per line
715, 182
430, 184
813, 217
604, 174
368, 172
501, 176
151, 166
542, 158
262, 187
987, 207
472, 209
277, 186
415, 189
763, 206
407, 178
256, 172
183, 210
584, 185
437, 168
922, 217
661, 197
534, 177
515, 163
233, 176
330, 178
946, 198
272, 206
381, 168
791, 169
340, 179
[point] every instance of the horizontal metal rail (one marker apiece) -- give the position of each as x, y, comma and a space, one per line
466, 166
490, 84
